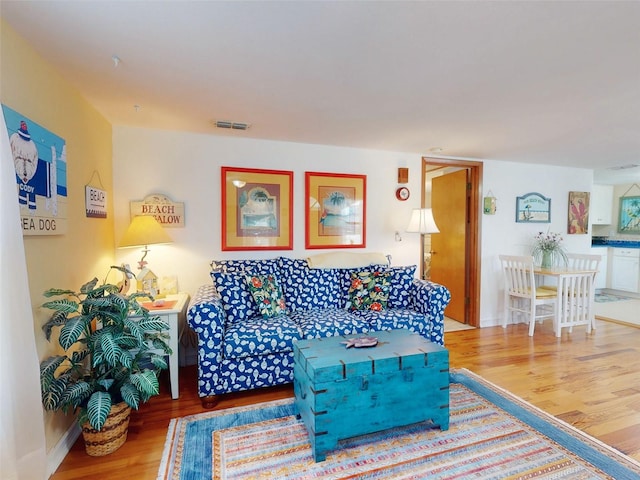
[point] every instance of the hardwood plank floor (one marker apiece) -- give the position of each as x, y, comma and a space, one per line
590, 381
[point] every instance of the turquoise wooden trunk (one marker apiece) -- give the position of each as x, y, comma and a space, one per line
342, 393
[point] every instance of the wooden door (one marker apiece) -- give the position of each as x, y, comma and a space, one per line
449, 247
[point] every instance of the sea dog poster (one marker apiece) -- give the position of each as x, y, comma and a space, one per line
39, 159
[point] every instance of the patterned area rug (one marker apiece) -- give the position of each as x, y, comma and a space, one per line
492, 435
609, 297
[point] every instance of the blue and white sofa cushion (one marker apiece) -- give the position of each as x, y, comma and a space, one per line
239, 350
308, 288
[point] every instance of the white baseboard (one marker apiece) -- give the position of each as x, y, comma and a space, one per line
57, 453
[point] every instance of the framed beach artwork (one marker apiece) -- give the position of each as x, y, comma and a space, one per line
257, 209
629, 216
335, 210
533, 208
578, 221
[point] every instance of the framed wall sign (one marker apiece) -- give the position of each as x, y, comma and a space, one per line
533, 208
335, 210
257, 209
95, 201
167, 212
629, 217
578, 221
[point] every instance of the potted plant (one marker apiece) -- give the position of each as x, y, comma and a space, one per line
547, 250
113, 352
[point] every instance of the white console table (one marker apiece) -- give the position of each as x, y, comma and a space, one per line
174, 314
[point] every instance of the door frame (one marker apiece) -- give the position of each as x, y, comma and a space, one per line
473, 253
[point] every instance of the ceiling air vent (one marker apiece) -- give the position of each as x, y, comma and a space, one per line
231, 125
624, 167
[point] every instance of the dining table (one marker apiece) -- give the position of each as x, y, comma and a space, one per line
575, 294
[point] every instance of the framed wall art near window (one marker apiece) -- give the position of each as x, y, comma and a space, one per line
629, 217
533, 208
578, 221
257, 209
335, 210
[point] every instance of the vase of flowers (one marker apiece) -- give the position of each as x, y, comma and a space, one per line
547, 250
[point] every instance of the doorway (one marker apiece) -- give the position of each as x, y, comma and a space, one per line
452, 257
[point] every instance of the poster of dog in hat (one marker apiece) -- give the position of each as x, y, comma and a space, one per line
39, 158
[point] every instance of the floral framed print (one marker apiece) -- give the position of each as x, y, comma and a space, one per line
629, 217
257, 209
335, 210
578, 221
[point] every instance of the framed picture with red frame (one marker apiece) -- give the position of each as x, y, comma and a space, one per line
257, 209
335, 210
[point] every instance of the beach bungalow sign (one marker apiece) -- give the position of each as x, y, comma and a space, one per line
167, 212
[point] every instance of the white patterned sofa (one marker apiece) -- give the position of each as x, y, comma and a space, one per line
241, 347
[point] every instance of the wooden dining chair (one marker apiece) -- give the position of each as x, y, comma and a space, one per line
583, 261
575, 301
521, 295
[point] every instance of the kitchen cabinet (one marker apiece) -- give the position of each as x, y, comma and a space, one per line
625, 269
601, 205
601, 277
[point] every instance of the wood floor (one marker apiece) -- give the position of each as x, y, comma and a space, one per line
590, 381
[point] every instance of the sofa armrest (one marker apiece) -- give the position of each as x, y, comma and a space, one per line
206, 317
431, 299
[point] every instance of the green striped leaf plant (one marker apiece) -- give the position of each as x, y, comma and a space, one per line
113, 351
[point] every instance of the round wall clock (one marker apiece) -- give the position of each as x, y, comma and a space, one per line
402, 193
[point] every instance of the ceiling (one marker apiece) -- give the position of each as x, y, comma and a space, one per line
538, 82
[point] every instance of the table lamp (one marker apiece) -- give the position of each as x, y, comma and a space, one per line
422, 221
144, 230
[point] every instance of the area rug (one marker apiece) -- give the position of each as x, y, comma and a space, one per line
609, 297
493, 435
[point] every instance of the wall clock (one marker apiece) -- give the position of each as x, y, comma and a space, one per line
402, 193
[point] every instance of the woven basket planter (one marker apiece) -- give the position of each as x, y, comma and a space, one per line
113, 434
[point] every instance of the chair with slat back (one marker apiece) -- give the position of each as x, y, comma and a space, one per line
581, 262
521, 295
576, 301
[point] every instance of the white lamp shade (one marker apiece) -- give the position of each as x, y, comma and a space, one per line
144, 230
422, 221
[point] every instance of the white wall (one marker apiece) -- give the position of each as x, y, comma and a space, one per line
186, 167
502, 235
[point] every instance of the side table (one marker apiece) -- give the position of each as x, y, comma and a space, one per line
174, 313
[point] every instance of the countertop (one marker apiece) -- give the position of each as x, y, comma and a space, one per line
617, 244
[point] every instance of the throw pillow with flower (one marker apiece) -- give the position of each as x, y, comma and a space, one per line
369, 291
267, 294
